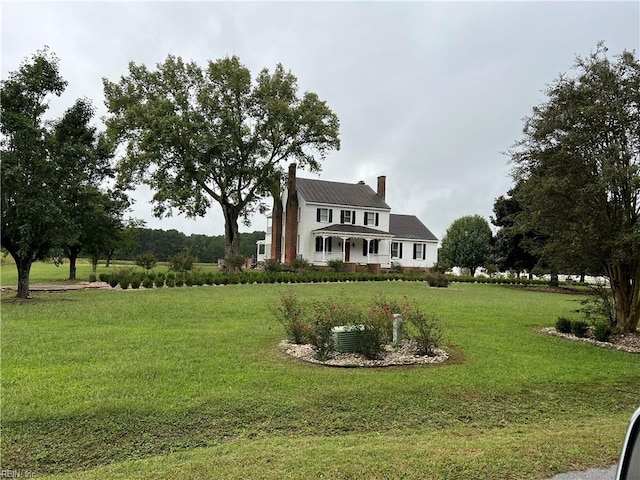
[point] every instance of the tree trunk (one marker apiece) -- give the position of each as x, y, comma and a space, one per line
231, 232
107, 262
24, 270
94, 262
624, 278
72, 253
472, 271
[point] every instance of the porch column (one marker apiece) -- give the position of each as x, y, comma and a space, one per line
344, 251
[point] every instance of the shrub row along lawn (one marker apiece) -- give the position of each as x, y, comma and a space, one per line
189, 383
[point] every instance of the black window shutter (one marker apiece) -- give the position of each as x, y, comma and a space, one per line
400, 246
330, 215
414, 251
341, 216
424, 251
365, 250
365, 218
375, 246
318, 215
353, 217
318, 244
377, 218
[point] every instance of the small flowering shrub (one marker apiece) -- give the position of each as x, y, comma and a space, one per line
290, 312
313, 323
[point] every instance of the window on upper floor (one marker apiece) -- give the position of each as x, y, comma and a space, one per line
324, 215
371, 218
348, 216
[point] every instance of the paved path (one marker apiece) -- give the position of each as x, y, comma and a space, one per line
59, 288
591, 474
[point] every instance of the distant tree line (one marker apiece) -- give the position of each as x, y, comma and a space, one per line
165, 244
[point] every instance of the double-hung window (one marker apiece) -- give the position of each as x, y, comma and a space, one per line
326, 244
370, 246
419, 251
348, 216
371, 218
324, 215
396, 250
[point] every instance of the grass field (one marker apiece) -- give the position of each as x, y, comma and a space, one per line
188, 383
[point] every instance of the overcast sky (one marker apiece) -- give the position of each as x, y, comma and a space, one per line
430, 94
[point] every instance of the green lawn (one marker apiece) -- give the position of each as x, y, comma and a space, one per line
188, 383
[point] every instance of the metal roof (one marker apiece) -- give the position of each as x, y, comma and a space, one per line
353, 230
337, 193
409, 227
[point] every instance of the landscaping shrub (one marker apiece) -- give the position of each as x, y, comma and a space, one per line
321, 335
602, 331
290, 313
314, 323
425, 330
300, 265
563, 325
182, 262
272, 265
235, 262
437, 280
104, 277
146, 261
159, 280
599, 305
337, 265
148, 281
171, 279
579, 328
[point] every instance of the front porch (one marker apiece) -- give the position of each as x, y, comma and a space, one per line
352, 245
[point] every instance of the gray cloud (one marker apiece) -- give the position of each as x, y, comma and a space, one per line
428, 93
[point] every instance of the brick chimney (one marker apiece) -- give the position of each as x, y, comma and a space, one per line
382, 186
291, 218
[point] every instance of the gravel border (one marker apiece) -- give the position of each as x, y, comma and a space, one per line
405, 355
628, 343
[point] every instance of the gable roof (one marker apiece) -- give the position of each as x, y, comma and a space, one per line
336, 193
410, 227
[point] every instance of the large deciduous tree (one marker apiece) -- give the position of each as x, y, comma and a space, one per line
579, 167
467, 243
512, 247
198, 136
46, 166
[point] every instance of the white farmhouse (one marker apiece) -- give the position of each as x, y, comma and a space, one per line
322, 221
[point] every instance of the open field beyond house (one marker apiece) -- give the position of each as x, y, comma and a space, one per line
189, 383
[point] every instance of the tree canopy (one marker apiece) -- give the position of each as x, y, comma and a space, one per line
512, 247
198, 136
578, 165
467, 243
46, 166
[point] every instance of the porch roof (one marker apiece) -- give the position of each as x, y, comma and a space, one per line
347, 230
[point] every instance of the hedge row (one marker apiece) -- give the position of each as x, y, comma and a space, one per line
127, 278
